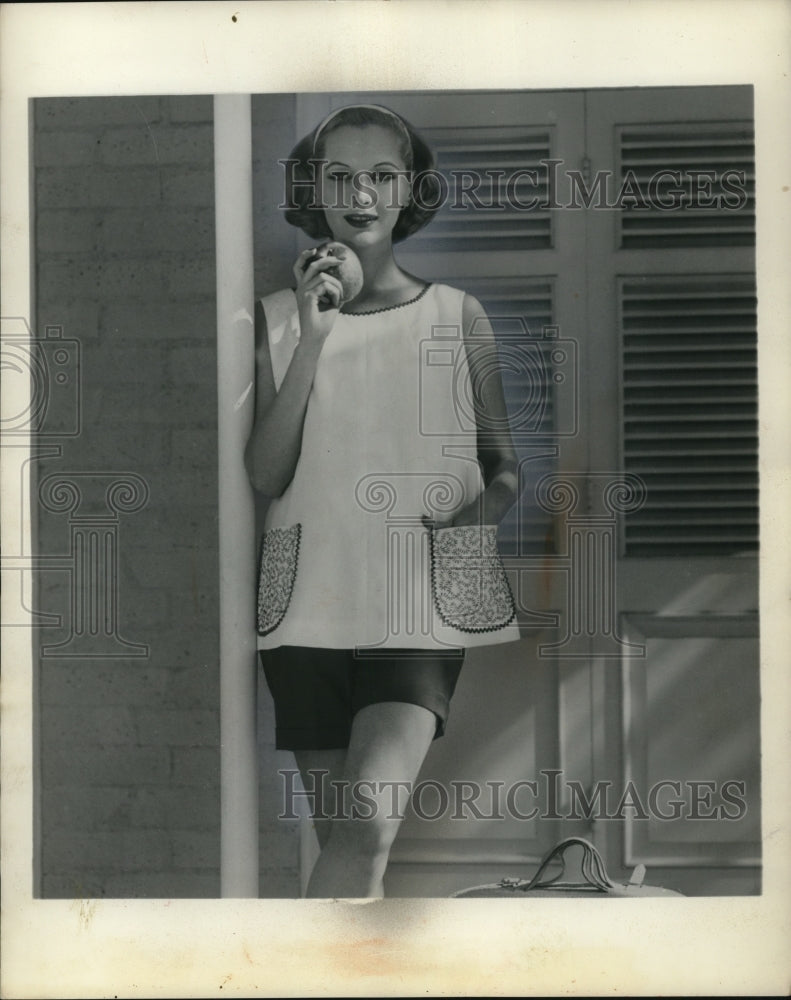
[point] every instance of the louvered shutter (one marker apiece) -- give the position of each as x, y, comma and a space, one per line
494, 174
690, 413
689, 341
714, 203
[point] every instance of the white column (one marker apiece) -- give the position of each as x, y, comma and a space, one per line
233, 185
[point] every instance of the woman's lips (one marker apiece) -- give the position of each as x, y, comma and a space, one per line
359, 220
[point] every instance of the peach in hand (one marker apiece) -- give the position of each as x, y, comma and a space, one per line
348, 270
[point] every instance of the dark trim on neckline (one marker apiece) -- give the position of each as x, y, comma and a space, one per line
398, 305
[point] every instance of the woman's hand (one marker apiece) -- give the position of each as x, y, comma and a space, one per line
488, 508
319, 296
471, 514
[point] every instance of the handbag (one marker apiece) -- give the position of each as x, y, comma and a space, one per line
590, 880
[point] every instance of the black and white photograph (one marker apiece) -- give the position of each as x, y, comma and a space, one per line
390, 478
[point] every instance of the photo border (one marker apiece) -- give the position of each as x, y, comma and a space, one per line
184, 948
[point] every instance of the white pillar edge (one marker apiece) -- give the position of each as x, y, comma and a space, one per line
233, 187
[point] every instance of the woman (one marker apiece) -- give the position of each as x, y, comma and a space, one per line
381, 433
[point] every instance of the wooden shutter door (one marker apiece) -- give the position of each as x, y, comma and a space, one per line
672, 346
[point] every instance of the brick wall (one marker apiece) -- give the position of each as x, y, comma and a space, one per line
128, 798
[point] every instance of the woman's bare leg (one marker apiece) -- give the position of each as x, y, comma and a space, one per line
312, 764
388, 744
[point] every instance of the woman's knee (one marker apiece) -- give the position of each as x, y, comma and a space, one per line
368, 836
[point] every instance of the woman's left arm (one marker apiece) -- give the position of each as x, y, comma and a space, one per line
496, 452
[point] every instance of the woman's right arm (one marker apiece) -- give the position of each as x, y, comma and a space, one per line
275, 441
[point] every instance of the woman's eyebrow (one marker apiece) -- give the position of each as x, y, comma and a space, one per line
382, 163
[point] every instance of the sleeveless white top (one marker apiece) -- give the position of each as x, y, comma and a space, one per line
389, 435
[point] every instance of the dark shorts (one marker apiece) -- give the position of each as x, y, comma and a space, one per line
317, 692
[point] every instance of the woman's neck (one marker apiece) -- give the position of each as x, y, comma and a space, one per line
382, 277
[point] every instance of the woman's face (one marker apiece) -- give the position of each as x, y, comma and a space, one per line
365, 185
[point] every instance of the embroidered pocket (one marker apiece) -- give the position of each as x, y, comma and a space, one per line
276, 575
471, 590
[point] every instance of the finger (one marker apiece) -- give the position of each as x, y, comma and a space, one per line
299, 264
326, 292
320, 265
324, 283
332, 297
308, 257
324, 301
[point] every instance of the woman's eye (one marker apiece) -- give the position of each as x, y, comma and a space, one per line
383, 176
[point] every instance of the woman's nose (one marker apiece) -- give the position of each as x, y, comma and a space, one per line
363, 194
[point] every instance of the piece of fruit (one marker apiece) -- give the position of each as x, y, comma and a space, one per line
348, 270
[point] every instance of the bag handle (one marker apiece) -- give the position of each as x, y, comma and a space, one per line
592, 867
